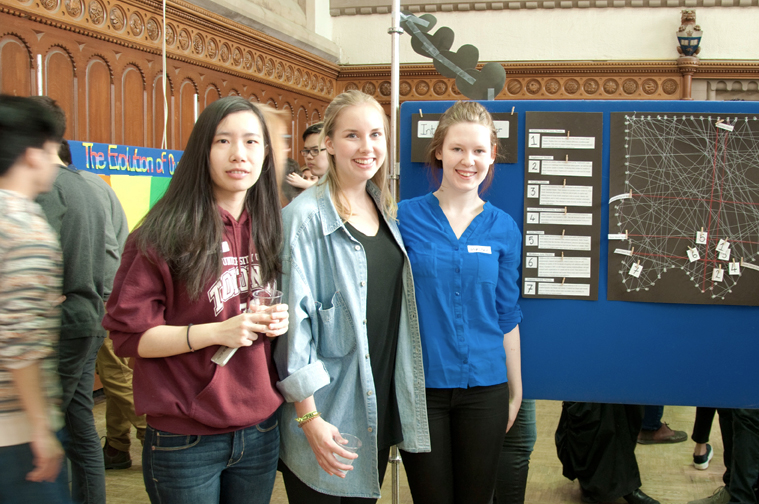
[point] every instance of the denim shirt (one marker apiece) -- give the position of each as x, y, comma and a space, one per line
326, 352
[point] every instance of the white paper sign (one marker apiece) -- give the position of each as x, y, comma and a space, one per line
636, 270
501, 129
724, 256
717, 274
734, 268
693, 255
426, 129
701, 237
529, 289
533, 191
723, 245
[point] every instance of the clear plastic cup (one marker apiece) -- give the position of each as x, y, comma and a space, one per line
352, 446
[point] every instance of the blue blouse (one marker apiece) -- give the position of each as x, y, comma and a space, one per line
466, 291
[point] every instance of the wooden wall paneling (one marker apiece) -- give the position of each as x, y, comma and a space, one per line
301, 123
98, 97
186, 106
60, 84
211, 95
254, 98
15, 67
132, 106
233, 92
157, 112
293, 143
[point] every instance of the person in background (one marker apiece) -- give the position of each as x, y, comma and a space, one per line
315, 155
352, 360
465, 255
31, 280
288, 190
596, 445
115, 372
654, 431
80, 226
277, 122
184, 290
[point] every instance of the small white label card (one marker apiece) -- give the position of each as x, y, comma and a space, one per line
531, 240
724, 256
478, 249
693, 255
717, 274
725, 126
734, 268
533, 191
701, 237
533, 217
636, 270
723, 245
531, 262
224, 247
533, 166
529, 288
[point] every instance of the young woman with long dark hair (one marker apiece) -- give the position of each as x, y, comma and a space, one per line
184, 290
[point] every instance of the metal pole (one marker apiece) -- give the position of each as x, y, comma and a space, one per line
395, 32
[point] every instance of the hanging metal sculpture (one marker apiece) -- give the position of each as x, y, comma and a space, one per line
483, 84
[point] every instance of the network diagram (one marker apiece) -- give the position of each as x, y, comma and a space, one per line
684, 208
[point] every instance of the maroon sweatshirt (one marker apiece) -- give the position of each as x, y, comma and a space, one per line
187, 393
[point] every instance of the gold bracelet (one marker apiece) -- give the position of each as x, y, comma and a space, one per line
307, 418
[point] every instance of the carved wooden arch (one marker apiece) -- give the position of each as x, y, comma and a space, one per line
254, 97
272, 103
159, 76
211, 87
4, 40
287, 105
137, 67
60, 49
191, 81
104, 60
233, 92
318, 115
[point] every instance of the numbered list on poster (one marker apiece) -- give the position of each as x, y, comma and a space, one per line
562, 220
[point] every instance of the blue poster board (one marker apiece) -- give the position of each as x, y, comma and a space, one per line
614, 351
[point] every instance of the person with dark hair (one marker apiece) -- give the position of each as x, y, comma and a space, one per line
183, 291
465, 255
80, 227
31, 279
115, 372
315, 155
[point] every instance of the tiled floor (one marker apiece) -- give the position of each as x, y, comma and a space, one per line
666, 470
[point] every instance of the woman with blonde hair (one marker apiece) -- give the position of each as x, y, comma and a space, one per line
351, 362
465, 254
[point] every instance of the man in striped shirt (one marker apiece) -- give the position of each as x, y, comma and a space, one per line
31, 272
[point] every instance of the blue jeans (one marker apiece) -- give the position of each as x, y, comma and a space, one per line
15, 463
76, 367
652, 418
514, 461
230, 468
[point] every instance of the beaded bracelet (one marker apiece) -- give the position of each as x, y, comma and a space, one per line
307, 418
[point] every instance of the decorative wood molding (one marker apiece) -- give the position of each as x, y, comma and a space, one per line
368, 7
633, 80
193, 35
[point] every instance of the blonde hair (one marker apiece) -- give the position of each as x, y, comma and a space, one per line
381, 178
461, 112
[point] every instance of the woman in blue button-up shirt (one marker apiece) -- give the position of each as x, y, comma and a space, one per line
352, 359
465, 255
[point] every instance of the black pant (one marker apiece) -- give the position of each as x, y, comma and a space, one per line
466, 432
702, 427
300, 493
745, 468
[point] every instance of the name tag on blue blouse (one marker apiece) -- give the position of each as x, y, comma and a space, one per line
478, 249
